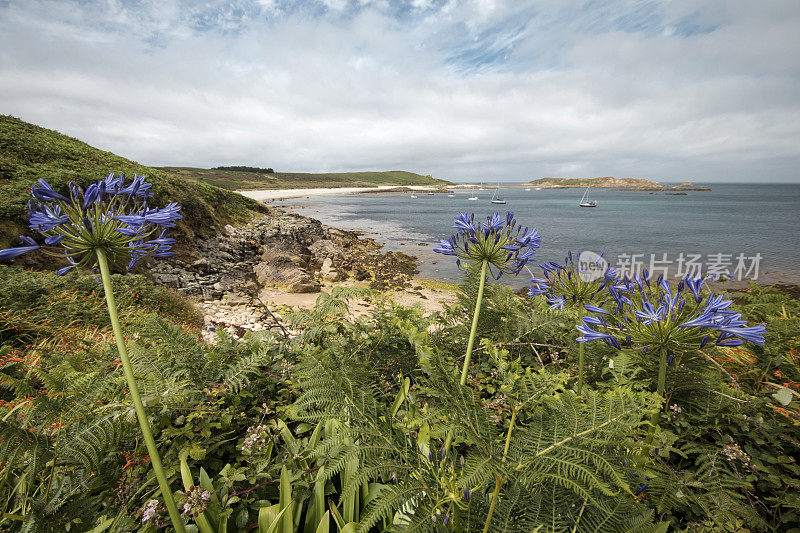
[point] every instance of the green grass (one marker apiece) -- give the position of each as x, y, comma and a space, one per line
29, 152
243, 180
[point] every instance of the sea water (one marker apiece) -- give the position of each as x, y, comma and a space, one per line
748, 230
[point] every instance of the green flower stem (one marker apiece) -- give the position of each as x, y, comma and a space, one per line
471, 341
580, 369
656, 417
155, 459
474, 328
499, 481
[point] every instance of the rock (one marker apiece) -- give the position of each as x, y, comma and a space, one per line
236, 298
327, 271
223, 258
290, 250
171, 280
286, 275
325, 249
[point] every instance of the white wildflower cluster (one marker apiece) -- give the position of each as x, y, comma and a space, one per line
734, 451
152, 511
286, 369
195, 501
257, 438
676, 408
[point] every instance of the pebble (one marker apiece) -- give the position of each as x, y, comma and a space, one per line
234, 318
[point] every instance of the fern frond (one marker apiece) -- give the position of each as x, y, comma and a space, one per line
89, 444
19, 446
235, 376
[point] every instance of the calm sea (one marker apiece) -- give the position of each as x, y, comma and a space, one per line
749, 230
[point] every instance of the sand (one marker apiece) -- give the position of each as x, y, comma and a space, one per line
282, 194
431, 300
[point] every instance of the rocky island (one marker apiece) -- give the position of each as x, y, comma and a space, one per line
610, 182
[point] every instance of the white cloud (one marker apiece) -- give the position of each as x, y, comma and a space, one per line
335, 5
464, 90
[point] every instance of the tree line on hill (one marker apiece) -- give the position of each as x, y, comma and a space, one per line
247, 169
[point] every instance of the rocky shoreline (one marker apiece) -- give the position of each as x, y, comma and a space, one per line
236, 273
280, 250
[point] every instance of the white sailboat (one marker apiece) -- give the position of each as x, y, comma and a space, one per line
585, 199
472, 198
497, 199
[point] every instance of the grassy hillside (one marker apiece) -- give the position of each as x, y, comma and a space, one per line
29, 152
243, 180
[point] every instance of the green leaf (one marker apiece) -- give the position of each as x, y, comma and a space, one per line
325, 523
275, 525
398, 401
242, 518
266, 516
314, 439
783, 396
102, 526
214, 508
287, 525
316, 506
337, 517
423, 438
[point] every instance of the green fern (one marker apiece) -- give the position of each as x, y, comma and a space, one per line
21, 447
576, 451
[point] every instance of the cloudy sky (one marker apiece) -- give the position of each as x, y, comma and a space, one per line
461, 89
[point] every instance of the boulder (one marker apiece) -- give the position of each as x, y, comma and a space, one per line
324, 249
170, 280
285, 274
286, 250
328, 272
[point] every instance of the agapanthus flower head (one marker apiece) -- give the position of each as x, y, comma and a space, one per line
108, 215
500, 241
656, 316
570, 284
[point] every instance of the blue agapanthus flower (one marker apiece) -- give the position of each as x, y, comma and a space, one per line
107, 215
568, 284
505, 246
638, 312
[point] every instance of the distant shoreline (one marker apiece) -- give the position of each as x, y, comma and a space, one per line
283, 194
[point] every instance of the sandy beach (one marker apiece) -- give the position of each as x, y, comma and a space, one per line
430, 299
281, 194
